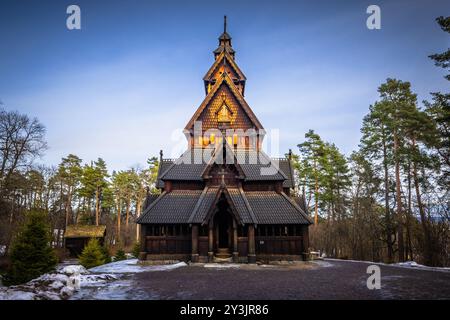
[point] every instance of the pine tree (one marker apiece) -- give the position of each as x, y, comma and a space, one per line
311, 161
136, 249
70, 173
106, 254
120, 254
31, 253
92, 255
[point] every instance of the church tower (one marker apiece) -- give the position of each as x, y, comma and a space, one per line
224, 107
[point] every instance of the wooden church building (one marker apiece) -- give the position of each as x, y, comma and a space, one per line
224, 199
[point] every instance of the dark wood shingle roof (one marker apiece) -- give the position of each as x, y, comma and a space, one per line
204, 205
255, 165
193, 206
271, 207
171, 207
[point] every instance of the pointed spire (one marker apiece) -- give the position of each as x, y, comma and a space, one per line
224, 41
224, 24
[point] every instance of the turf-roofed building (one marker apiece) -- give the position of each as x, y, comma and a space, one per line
224, 199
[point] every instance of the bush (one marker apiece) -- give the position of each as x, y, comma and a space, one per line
106, 254
92, 255
136, 249
120, 255
31, 253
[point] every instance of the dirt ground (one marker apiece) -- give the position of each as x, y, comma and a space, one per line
313, 280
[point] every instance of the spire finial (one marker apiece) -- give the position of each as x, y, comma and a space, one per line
224, 24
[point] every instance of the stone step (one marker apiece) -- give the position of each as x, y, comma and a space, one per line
222, 260
223, 255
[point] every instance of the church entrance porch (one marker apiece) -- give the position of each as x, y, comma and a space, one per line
223, 224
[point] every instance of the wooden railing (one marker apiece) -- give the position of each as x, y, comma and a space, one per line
168, 244
279, 245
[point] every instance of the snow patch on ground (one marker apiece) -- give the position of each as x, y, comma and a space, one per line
53, 286
407, 264
108, 281
321, 263
73, 269
415, 265
132, 266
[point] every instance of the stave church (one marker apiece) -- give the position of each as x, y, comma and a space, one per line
224, 199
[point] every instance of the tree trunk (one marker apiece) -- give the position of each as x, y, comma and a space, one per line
386, 202
316, 195
138, 214
127, 213
68, 206
428, 255
409, 251
401, 248
119, 214
97, 205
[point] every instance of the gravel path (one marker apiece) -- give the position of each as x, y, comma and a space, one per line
314, 280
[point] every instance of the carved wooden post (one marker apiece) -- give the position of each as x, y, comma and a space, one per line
210, 242
251, 244
235, 242
143, 242
305, 242
194, 256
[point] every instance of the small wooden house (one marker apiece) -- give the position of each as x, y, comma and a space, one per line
77, 236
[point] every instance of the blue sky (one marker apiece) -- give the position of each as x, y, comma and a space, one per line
121, 85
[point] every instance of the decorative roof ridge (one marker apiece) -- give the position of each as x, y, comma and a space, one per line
247, 204
197, 205
270, 161
296, 206
151, 206
232, 205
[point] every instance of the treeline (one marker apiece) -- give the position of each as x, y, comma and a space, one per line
389, 200
71, 193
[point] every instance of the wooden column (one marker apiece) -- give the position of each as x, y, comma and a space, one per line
251, 244
194, 256
305, 242
235, 242
210, 242
143, 242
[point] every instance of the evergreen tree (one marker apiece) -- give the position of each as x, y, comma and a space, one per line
31, 253
106, 254
120, 254
93, 254
311, 161
136, 249
69, 172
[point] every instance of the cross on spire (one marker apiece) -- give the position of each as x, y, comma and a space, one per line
224, 24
